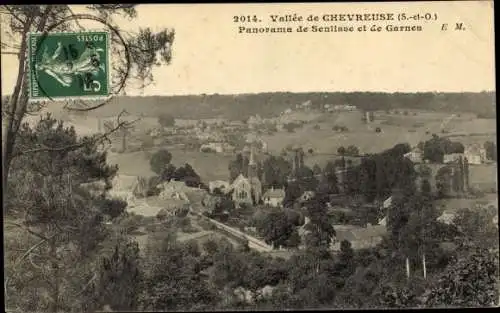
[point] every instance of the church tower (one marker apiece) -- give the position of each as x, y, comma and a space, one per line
252, 165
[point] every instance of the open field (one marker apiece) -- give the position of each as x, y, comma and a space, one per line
461, 203
412, 128
324, 142
483, 177
209, 166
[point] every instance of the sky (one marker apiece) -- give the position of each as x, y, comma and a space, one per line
209, 56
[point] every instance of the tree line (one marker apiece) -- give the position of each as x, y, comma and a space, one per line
242, 106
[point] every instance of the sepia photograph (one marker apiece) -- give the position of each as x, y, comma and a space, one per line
264, 156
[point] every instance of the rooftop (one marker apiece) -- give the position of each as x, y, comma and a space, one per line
275, 193
356, 233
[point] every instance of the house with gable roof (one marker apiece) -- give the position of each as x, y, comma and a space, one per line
274, 197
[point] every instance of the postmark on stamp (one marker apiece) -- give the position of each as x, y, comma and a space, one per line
67, 66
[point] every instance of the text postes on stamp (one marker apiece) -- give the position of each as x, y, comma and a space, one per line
69, 65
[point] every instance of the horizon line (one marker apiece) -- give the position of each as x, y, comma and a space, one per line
297, 92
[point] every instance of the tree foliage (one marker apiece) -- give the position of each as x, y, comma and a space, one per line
160, 161
491, 150
276, 170
60, 198
277, 230
470, 282
172, 277
166, 120
435, 148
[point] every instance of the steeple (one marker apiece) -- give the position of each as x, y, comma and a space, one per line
251, 162
252, 165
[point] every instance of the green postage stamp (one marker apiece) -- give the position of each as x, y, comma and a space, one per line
67, 66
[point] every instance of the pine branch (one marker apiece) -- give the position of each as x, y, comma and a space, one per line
120, 125
87, 285
28, 230
13, 14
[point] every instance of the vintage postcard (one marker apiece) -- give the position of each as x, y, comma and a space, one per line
265, 156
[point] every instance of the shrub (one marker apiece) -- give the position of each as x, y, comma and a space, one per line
166, 120
130, 222
159, 160
207, 150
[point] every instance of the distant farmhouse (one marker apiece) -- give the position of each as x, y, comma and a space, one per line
339, 107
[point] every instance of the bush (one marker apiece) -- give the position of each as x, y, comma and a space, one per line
378, 130
163, 215
207, 150
184, 224
130, 222
206, 225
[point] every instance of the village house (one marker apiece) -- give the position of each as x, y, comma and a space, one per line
306, 196
254, 121
175, 190
213, 146
344, 107
414, 155
452, 157
447, 217
475, 154
384, 211
305, 105
359, 237
274, 197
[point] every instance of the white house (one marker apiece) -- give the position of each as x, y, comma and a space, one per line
415, 155
475, 154
450, 158
306, 196
217, 147
274, 197
446, 217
